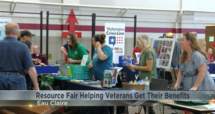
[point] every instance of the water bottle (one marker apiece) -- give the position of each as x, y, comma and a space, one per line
125, 62
147, 81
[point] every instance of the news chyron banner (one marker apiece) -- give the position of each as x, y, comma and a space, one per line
115, 38
97, 98
3, 22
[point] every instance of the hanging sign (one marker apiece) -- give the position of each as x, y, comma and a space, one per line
115, 34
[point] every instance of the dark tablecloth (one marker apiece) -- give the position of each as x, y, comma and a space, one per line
211, 68
91, 110
130, 75
80, 86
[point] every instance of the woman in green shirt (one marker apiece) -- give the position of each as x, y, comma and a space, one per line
147, 66
76, 51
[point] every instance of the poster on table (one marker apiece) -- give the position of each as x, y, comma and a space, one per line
164, 51
3, 22
115, 38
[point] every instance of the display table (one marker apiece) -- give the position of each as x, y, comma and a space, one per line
80, 86
195, 110
91, 110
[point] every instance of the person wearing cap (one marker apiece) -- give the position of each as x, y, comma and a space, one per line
25, 35
176, 52
15, 60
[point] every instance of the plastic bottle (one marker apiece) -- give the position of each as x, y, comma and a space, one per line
147, 81
125, 62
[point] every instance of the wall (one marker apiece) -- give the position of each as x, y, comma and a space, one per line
153, 23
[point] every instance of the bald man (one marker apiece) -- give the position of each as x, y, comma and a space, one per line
15, 61
39, 59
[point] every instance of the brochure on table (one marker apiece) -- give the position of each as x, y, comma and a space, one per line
166, 47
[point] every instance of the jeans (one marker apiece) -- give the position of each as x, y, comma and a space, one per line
29, 82
12, 82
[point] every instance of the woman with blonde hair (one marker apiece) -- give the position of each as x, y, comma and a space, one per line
193, 66
147, 65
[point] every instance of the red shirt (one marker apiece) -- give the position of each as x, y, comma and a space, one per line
40, 57
211, 58
66, 56
136, 51
213, 44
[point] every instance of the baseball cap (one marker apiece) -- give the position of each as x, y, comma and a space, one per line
23, 33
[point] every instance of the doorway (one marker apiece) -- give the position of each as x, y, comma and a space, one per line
209, 37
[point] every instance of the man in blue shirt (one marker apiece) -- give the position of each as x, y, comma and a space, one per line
15, 60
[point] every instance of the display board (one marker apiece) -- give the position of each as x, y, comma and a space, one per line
164, 48
115, 38
3, 22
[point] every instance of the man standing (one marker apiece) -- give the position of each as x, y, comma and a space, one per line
39, 59
15, 59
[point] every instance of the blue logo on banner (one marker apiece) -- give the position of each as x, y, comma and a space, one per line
112, 40
0, 33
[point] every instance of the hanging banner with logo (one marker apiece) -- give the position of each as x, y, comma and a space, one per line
115, 38
3, 22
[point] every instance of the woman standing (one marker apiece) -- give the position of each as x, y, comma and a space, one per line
147, 66
76, 51
102, 58
193, 66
